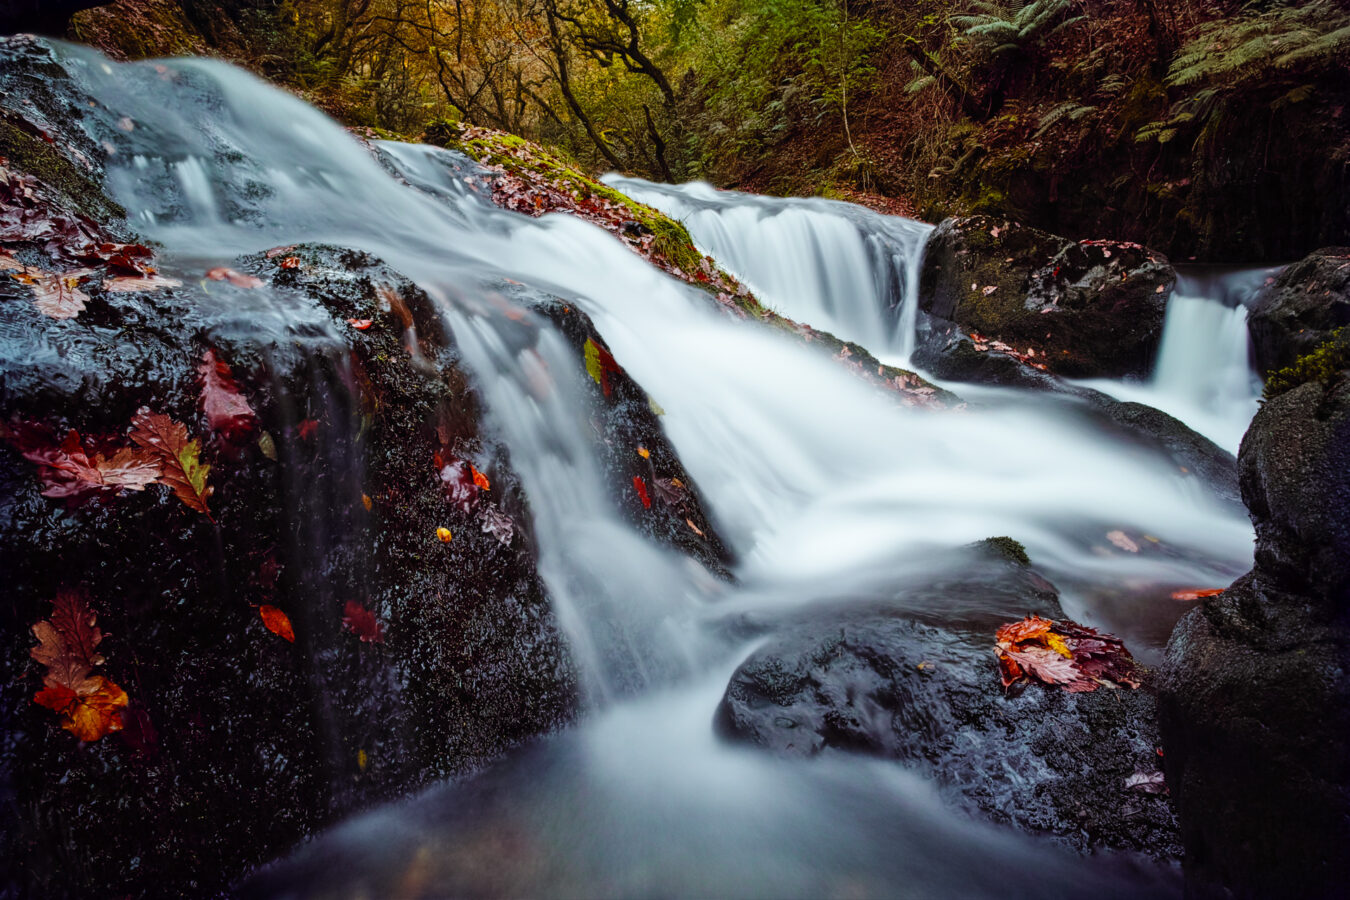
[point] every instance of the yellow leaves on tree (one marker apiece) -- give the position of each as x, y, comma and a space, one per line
89, 705
180, 458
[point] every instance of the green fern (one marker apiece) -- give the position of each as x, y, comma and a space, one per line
1005, 30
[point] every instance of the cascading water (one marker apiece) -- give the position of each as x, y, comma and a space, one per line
1203, 374
836, 266
824, 488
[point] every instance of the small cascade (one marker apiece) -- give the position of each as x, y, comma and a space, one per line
1203, 374
836, 266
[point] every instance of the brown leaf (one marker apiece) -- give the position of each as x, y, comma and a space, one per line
498, 524
90, 705
180, 458
238, 279
227, 412
124, 284
277, 622
56, 296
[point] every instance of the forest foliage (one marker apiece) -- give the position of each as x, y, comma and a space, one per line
1181, 109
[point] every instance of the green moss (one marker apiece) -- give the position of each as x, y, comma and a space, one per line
532, 162
31, 155
1322, 364
1007, 548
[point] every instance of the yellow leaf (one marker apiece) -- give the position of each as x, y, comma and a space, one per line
444, 535
1056, 643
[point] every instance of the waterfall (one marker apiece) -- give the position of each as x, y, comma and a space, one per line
824, 488
1203, 374
837, 266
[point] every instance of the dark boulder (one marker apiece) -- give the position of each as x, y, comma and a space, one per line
1082, 309
1300, 308
1255, 699
917, 680
367, 497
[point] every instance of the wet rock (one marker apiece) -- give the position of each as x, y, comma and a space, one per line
1300, 308
654, 490
916, 679
1255, 699
1081, 309
334, 498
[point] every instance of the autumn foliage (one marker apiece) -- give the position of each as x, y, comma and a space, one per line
1063, 653
90, 705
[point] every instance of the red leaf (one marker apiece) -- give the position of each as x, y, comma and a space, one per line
308, 428
128, 284
180, 458
227, 412
360, 324
277, 251
55, 296
238, 279
291, 262
68, 471
641, 487
362, 622
277, 622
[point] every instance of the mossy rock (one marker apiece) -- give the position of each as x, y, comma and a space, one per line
1301, 308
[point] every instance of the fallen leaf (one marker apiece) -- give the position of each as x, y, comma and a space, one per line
307, 428
90, 705
277, 251
366, 502
360, 324
180, 458
125, 284
1197, 594
277, 622
498, 524
644, 453
599, 364
479, 479
238, 279
443, 535
68, 471
1123, 541
268, 445
1063, 653
1148, 782
227, 412
1027, 629
641, 487
291, 262
362, 623
694, 528
56, 296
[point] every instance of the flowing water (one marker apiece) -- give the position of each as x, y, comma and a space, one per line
1204, 374
823, 488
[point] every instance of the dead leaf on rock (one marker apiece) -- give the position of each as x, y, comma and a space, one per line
90, 705
277, 622
180, 458
238, 279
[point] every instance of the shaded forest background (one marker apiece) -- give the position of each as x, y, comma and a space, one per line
1211, 129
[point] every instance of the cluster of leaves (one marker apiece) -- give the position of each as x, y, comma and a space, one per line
1064, 653
464, 488
90, 705
80, 250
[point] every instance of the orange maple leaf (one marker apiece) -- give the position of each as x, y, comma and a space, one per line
90, 705
480, 479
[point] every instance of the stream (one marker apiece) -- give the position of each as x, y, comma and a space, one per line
823, 488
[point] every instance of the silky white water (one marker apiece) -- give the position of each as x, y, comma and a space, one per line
1203, 374
822, 486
